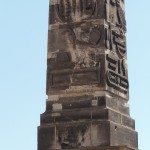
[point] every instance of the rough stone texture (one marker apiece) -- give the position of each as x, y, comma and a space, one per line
87, 78
85, 134
106, 148
87, 47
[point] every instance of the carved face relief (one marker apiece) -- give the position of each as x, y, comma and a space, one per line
74, 10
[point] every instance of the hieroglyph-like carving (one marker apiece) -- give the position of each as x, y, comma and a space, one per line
72, 10
115, 13
117, 73
121, 16
116, 41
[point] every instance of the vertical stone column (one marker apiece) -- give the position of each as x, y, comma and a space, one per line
87, 77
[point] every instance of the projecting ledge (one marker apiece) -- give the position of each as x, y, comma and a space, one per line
103, 148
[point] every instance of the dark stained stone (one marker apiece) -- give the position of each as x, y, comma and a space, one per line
87, 78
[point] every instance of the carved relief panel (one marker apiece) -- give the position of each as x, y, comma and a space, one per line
82, 40
116, 41
68, 11
116, 73
72, 10
87, 46
116, 67
115, 13
72, 55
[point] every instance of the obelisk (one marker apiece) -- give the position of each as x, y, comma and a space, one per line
87, 78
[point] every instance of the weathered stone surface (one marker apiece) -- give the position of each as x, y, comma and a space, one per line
75, 134
87, 46
105, 148
87, 78
87, 101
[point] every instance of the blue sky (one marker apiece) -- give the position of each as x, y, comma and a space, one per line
23, 48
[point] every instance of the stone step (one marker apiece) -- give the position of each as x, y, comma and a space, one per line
95, 113
80, 134
104, 148
88, 101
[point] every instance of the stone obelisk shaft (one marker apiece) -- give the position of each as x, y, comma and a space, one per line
87, 78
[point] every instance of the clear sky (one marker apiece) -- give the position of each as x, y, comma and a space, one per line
23, 50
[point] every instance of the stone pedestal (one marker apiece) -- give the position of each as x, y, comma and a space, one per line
87, 78
105, 148
86, 121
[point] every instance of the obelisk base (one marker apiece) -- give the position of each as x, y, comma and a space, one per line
82, 122
104, 148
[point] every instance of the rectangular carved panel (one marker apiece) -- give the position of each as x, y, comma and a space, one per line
117, 73
70, 77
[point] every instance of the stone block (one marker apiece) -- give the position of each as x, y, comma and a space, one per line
87, 101
105, 148
81, 134
73, 135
